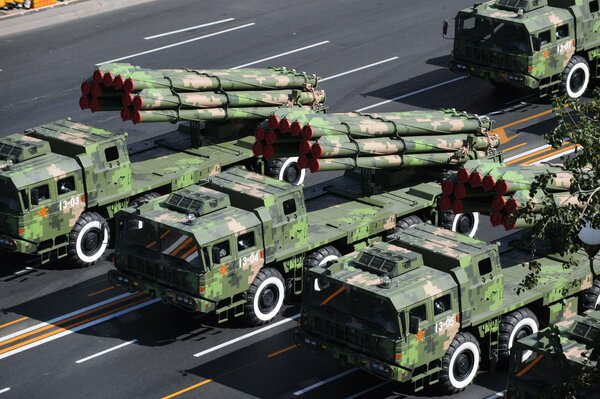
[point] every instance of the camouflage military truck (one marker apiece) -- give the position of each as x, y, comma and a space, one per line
429, 305
61, 182
538, 371
547, 45
238, 243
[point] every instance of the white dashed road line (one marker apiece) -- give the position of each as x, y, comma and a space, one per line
114, 348
173, 32
325, 381
282, 54
358, 69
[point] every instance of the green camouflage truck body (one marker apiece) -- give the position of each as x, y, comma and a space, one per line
527, 43
542, 374
395, 309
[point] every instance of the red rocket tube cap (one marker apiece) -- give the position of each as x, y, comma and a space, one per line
462, 175
129, 85
136, 117
305, 147
499, 202
511, 205
119, 82
447, 187
285, 125
270, 136
138, 102
296, 129
273, 122
444, 203
314, 165
97, 76
126, 99
85, 87
108, 79
259, 133
502, 187
488, 183
307, 132
496, 218
458, 206
303, 161
125, 114
257, 149
509, 222
475, 179
460, 191
316, 150
84, 102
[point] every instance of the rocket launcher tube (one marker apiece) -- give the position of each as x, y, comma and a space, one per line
515, 181
285, 123
461, 190
207, 114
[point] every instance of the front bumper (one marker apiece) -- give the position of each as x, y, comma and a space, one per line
515, 79
10, 244
156, 290
346, 355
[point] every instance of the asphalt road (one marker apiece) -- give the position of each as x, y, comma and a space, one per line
379, 56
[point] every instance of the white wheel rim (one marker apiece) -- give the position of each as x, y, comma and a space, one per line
586, 73
92, 258
597, 302
326, 259
529, 322
470, 346
268, 316
287, 163
475, 223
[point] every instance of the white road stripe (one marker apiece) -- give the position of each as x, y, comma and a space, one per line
177, 44
572, 150
187, 29
245, 336
282, 54
325, 381
412, 93
5, 389
361, 393
66, 316
524, 154
114, 348
358, 69
21, 271
496, 395
78, 328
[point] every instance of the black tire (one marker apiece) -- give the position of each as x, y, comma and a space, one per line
464, 223
265, 297
88, 239
407, 222
286, 169
321, 256
576, 77
590, 298
513, 327
460, 363
143, 199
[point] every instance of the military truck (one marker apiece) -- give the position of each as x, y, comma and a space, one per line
430, 304
546, 45
61, 182
238, 243
538, 370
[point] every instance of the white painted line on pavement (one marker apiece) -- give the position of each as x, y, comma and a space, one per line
496, 395
176, 44
524, 154
79, 328
325, 381
187, 29
114, 348
572, 150
282, 54
412, 93
361, 393
5, 389
358, 69
66, 316
21, 271
245, 336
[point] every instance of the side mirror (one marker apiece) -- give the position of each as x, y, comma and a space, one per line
413, 327
537, 43
216, 255
445, 27
35, 196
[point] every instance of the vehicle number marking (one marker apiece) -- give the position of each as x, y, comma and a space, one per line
246, 260
71, 202
563, 48
444, 324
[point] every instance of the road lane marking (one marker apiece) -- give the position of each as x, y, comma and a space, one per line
114, 348
361, 393
279, 352
412, 93
10, 323
246, 336
514, 147
53, 335
529, 152
562, 154
496, 395
102, 290
553, 155
358, 69
282, 54
188, 29
501, 130
8, 388
52, 325
176, 44
325, 381
187, 389
66, 316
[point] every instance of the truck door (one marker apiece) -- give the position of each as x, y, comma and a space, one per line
250, 257
221, 280
589, 27
116, 176
446, 319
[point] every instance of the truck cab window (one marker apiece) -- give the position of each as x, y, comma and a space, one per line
441, 304
65, 185
562, 32
289, 206
111, 153
246, 241
544, 37
420, 312
223, 247
39, 194
594, 6
485, 266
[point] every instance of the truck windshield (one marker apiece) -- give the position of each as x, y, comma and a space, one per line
140, 233
497, 35
329, 293
375, 311
9, 198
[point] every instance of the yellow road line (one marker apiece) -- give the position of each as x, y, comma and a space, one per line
560, 150
10, 323
501, 130
279, 352
61, 329
49, 326
101, 291
188, 389
513, 147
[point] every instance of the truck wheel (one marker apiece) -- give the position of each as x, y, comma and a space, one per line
407, 222
264, 297
286, 169
576, 76
460, 363
515, 326
590, 298
143, 199
464, 223
321, 256
88, 239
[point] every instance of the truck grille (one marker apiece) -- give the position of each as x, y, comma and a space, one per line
159, 272
346, 334
492, 58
